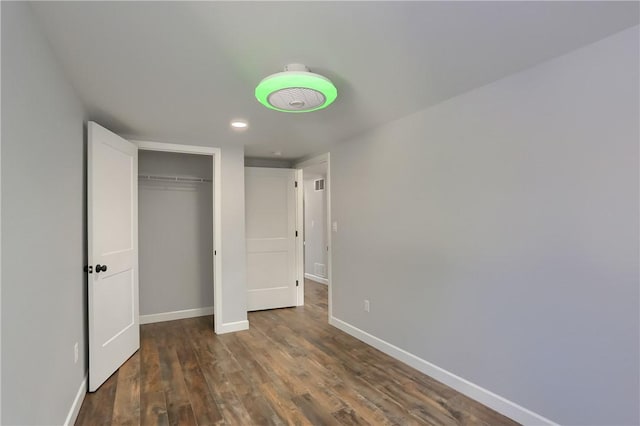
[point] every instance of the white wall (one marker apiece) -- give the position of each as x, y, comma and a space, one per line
315, 234
496, 235
175, 234
43, 238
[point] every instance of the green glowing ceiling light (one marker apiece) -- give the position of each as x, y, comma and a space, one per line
296, 90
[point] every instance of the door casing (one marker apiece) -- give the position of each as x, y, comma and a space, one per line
217, 215
323, 158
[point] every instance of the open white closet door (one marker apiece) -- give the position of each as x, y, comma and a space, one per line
112, 223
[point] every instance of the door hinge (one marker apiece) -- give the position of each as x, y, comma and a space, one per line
296, 233
215, 253
297, 283
296, 184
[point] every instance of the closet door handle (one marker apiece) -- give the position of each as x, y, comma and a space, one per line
101, 268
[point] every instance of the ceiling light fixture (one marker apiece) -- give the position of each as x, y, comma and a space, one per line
239, 124
296, 90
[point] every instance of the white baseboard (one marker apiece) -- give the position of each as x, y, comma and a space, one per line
176, 315
77, 403
230, 327
473, 391
316, 279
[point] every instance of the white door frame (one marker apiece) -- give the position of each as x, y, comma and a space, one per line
323, 158
217, 213
300, 239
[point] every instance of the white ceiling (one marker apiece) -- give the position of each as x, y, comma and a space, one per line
180, 71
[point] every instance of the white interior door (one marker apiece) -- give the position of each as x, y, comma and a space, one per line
270, 204
112, 221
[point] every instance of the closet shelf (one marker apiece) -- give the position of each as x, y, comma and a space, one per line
180, 179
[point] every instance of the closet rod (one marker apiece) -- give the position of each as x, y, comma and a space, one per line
160, 178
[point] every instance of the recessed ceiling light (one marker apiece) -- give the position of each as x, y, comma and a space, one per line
296, 90
239, 124
277, 153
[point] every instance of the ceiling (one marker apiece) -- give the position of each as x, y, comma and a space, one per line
180, 71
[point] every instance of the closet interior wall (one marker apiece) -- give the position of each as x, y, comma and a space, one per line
175, 232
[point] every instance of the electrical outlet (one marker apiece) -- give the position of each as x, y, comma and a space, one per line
367, 306
335, 226
75, 353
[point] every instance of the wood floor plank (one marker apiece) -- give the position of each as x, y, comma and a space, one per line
97, 407
154, 410
312, 410
150, 380
291, 367
280, 400
261, 411
175, 389
347, 416
182, 415
223, 392
126, 405
215, 374
204, 407
255, 372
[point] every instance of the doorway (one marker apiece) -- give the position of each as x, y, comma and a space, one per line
209, 177
175, 235
273, 212
317, 221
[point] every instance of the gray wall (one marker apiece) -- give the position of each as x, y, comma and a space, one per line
268, 162
315, 234
43, 293
175, 234
234, 253
43, 239
505, 228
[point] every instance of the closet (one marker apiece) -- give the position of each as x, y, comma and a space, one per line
175, 220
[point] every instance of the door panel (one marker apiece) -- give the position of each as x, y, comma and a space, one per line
270, 203
112, 213
268, 268
113, 314
112, 220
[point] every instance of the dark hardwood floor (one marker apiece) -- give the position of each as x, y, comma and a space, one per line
291, 367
